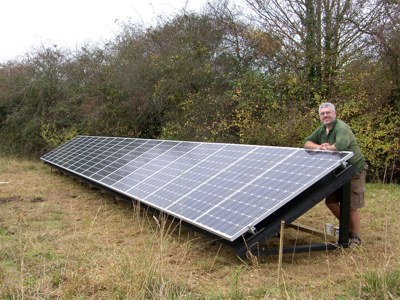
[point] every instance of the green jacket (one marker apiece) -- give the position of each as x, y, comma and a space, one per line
342, 136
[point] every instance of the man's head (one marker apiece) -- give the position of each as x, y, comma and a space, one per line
327, 113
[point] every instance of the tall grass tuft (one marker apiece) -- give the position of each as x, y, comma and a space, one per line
381, 285
235, 292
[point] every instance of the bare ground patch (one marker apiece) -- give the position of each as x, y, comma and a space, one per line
10, 199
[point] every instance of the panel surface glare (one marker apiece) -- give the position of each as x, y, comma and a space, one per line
225, 189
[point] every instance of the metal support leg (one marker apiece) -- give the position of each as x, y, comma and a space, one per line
344, 222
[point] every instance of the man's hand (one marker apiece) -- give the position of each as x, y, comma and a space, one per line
327, 146
324, 146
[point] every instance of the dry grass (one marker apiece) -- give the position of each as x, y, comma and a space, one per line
60, 239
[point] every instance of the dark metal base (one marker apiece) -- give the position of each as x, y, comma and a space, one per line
266, 251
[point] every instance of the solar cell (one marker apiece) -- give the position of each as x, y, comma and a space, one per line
225, 189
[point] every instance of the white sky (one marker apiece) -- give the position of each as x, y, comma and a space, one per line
26, 24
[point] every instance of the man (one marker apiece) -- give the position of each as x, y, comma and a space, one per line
335, 135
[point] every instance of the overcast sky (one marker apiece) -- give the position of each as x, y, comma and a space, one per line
26, 24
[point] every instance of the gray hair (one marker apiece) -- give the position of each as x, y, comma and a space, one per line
327, 104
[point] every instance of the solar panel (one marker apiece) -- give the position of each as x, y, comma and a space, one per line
224, 189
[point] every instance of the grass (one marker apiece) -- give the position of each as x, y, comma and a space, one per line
59, 239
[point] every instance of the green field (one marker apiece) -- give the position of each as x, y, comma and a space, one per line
60, 239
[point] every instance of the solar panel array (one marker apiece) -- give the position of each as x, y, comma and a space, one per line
225, 189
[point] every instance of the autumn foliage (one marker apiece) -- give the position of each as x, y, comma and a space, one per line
217, 76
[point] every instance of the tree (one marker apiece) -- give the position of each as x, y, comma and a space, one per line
35, 87
172, 71
386, 37
318, 37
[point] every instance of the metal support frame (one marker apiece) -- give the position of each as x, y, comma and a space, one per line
297, 207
